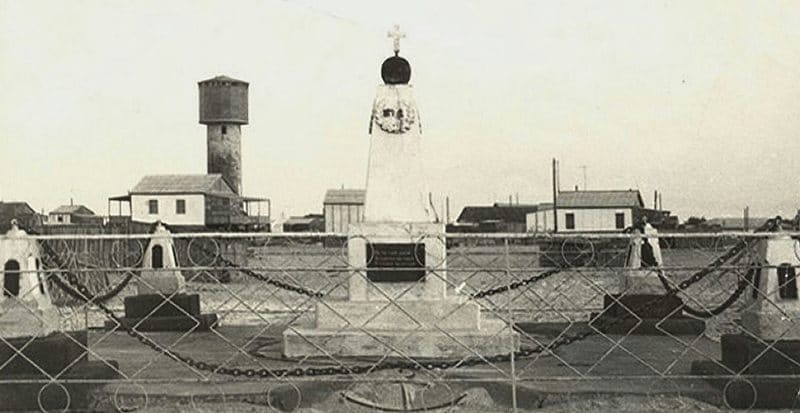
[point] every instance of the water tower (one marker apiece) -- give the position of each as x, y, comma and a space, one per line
223, 109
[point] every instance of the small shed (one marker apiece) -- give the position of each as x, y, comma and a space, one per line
73, 215
342, 207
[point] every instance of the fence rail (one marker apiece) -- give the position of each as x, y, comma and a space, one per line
581, 323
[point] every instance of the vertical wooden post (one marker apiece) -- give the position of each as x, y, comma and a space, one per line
555, 195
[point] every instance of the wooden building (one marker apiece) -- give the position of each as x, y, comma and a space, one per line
342, 207
597, 211
73, 215
496, 218
589, 211
196, 201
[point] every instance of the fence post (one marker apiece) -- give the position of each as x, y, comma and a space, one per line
511, 323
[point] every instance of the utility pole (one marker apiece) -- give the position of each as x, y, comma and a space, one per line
584, 177
555, 195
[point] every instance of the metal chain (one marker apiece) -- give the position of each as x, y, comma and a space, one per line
73, 279
517, 284
309, 293
280, 284
398, 364
740, 288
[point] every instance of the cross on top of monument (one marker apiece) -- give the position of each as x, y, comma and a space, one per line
396, 35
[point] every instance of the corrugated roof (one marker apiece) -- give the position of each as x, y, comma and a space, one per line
345, 196
72, 209
497, 212
600, 199
211, 184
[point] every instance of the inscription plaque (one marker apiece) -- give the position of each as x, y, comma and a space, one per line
395, 262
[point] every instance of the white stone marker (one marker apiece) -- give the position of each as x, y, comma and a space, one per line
26, 309
772, 310
398, 303
160, 273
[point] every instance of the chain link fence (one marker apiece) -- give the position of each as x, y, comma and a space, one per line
599, 322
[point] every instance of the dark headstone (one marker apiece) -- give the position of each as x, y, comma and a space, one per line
643, 305
645, 314
156, 305
154, 312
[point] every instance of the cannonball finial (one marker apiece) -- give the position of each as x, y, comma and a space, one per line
396, 70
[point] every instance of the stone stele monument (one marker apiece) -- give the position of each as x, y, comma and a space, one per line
398, 301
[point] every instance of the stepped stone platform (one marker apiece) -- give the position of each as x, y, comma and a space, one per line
413, 328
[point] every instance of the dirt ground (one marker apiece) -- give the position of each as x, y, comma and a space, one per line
601, 373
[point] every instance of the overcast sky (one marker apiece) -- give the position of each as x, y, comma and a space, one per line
700, 100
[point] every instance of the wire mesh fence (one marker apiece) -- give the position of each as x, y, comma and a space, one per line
558, 322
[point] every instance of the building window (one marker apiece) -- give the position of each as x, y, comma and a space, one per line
224, 129
60, 218
787, 281
570, 224
180, 206
152, 206
620, 218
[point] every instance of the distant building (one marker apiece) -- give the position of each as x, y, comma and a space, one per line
201, 201
25, 215
733, 224
307, 223
540, 220
595, 211
73, 215
496, 218
342, 207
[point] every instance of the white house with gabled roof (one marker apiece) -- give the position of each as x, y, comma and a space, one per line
192, 201
588, 211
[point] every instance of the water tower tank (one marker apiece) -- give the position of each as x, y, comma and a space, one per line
223, 100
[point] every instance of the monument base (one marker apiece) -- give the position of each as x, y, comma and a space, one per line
645, 314
154, 312
494, 337
449, 327
754, 360
24, 381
